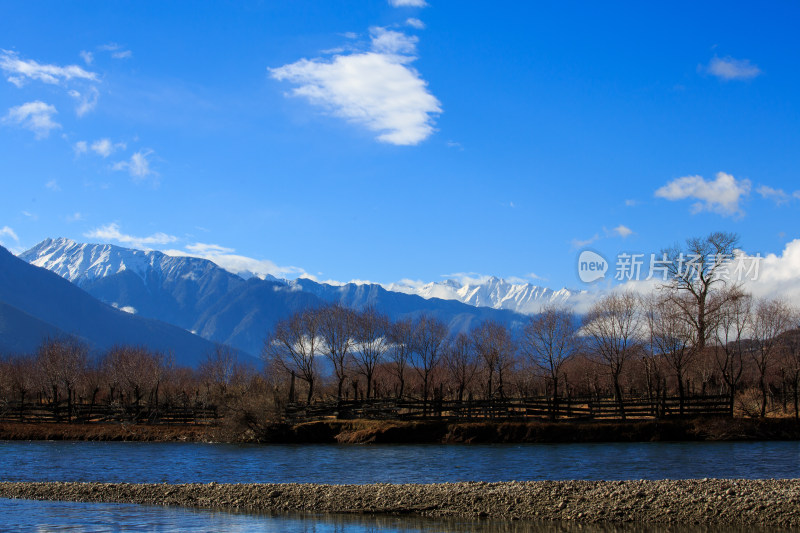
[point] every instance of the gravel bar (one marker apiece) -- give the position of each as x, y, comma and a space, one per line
707, 501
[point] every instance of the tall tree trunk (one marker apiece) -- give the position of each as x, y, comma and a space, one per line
681, 393
554, 407
310, 391
618, 394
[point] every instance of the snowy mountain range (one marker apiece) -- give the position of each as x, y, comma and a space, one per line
203, 298
85, 263
520, 297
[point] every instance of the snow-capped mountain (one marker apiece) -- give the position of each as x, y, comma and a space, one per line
83, 263
201, 297
493, 292
35, 304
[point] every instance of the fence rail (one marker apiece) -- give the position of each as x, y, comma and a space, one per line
523, 408
87, 413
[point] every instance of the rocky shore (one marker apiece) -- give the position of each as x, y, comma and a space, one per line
772, 503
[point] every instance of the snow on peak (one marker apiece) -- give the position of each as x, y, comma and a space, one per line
492, 291
81, 263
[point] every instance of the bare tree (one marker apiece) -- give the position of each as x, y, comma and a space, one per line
337, 328
22, 375
673, 338
138, 372
495, 349
550, 340
401, 348
733, 324
371, 343
772, 318
461, 362
791, 343
219, 368
63, 362
697, 278
430, 344
295, 345
613, 331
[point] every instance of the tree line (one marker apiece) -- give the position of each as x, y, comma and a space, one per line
144, 385
697, 333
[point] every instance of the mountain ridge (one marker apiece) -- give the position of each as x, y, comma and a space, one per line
202, 297
38, 303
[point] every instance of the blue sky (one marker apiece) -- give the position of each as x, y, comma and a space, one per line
379, 142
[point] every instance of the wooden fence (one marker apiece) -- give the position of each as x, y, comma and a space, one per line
87, 413
512, 409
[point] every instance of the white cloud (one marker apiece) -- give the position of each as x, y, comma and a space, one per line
376, 89
125, 308
623, 231
721, 196
35, 116
631, 203
239, 264
415, 23
208, 249
5, 231
111, 232
117, 52
19, 70
392, 42
138, 166
87, 100
53, 185
779, 196
87, 57
104, 147
579, 243
778, 275
408, 3
32, 216
75, 217
733, 69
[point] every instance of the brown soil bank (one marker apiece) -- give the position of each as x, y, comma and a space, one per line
773, 503
398, 432
106, 432
433, 432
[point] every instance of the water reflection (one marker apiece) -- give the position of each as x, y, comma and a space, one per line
27, 515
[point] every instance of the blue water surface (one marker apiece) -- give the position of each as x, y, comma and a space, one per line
138, 462
226, 463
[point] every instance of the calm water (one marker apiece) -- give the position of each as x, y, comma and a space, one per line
225, 463
190, 462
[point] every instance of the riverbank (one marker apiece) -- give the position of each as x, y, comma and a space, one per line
107, 432
423, 432
772, 503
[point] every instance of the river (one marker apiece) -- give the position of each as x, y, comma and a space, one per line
225, 463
